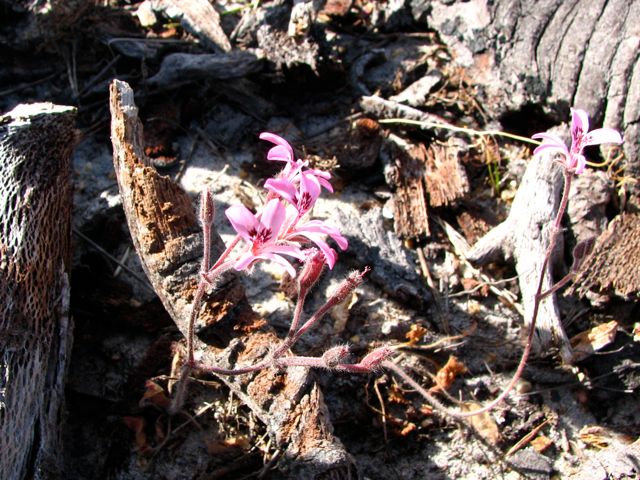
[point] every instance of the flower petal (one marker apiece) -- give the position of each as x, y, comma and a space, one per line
291, 250
243, 220
279, 154
282, 152
329, 253
548, 147
579, 123
325, 184
549, 139
245, 260
272, 216
282, 187
310, 185
280, 261
318, 226
602, 135
580, 163
321, 177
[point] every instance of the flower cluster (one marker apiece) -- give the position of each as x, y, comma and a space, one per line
282, 228
573, 158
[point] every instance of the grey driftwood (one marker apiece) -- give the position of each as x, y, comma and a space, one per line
524, 237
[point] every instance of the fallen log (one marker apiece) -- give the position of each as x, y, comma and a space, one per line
168, 240
36, 142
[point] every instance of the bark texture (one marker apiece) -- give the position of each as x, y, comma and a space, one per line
35, 333
167, 238
613, 266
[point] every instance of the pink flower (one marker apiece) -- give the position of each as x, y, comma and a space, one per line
574, 159
262, 233
315, 230
294, 169
303, 196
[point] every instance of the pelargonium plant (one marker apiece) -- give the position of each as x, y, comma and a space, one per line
281, 231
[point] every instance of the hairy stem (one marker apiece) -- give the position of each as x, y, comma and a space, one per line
539, 297
297, 314
211, 276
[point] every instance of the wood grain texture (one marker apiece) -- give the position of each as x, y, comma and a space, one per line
167, 238
614, 264
524, 237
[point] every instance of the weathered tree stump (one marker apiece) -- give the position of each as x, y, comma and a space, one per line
525, 236
168, 240
36, 142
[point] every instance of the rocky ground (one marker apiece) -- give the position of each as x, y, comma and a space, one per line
326, 78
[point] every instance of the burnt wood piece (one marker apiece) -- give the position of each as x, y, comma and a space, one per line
552, 53
404, 173
524, 237
381, 108
197, 17
180, 68
167, 237
445, 177
615, 262
591, 192
36, 142
420, 175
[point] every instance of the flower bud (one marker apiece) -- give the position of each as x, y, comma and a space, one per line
374, 359
353, 281
311, 270
207, 208
335, 356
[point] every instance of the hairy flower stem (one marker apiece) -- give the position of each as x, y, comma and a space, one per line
302, 296
210, 277
539, 297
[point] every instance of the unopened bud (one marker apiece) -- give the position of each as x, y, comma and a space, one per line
311, 270
353, 281
207, 207
335, 356
374, 359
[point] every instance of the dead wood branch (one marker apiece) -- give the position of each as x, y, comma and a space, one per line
168, 240
180, 68
380, 108
524, 236
197, 17
36, 142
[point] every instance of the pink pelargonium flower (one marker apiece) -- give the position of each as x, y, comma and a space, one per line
303, 196
262, 233
581, 137
294, 169
315, 231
